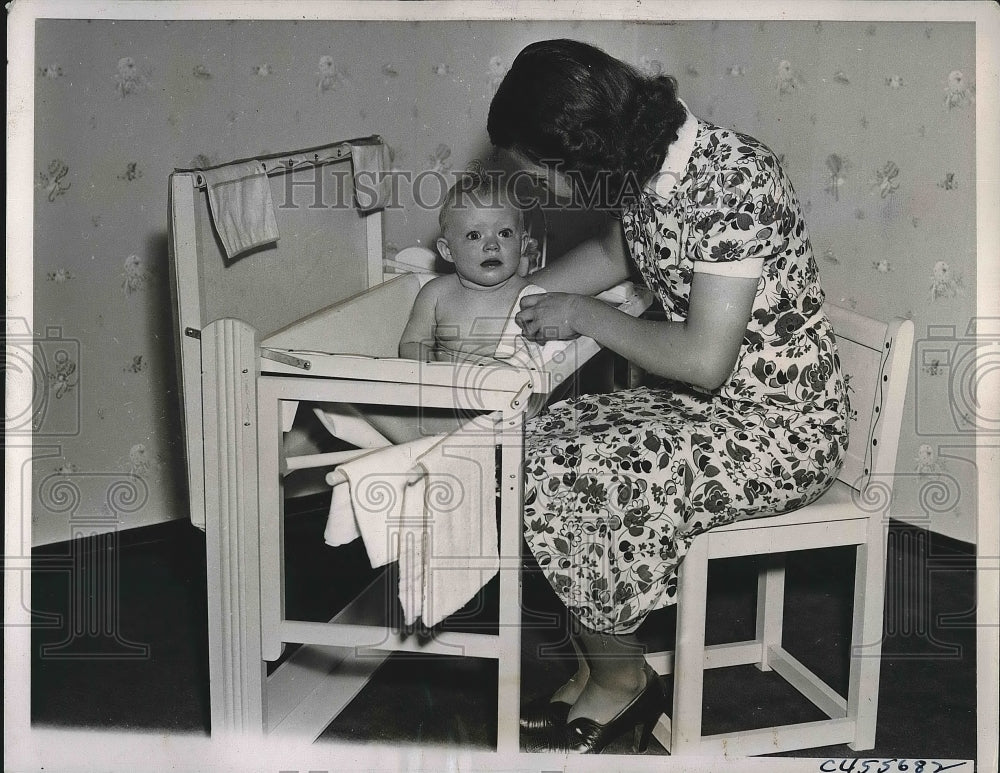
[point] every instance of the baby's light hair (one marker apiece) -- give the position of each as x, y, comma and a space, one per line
479, 189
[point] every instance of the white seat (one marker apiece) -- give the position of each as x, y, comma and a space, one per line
855, 511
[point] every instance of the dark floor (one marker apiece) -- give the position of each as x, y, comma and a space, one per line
141, 663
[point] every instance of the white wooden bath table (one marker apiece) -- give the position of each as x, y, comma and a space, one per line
250, 333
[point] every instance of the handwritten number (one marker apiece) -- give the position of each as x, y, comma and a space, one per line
896, 764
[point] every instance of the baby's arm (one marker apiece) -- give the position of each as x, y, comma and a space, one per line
417, 341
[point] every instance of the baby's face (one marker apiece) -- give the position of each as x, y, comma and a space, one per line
484, 242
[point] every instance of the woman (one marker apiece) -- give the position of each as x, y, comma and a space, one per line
750, 416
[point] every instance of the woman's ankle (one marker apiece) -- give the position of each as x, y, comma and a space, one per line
624, 677
570, 690
602, 703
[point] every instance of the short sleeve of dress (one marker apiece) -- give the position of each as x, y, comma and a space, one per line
735, 218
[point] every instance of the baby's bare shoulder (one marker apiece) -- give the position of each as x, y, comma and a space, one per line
519, 282
436, 287
443, 286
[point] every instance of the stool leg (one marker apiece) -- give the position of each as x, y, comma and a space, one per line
866, 636
689, 656
770, 605
509, 665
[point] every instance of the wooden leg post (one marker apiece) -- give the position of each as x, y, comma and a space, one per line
866, 636
511, 482
770, 605
689, 655
236, 670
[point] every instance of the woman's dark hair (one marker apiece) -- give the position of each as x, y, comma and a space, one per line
566, 101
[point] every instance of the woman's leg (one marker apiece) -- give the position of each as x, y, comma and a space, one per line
570, 691
617, 674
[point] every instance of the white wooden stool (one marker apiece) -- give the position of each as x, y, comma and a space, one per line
855, 511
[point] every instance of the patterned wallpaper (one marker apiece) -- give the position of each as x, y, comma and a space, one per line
875, 123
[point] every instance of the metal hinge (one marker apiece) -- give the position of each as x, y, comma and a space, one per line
287, 359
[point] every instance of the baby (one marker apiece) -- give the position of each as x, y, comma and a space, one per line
462, 315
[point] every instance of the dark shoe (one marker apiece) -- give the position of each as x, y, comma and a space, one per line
585, 736
542, 715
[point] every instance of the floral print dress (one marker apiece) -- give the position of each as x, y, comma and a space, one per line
617, 485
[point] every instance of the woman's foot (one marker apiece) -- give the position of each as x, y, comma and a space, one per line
542, 715
602, 702
585, 735
548, 712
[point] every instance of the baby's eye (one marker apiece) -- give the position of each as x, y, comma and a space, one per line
506, 233
472, 235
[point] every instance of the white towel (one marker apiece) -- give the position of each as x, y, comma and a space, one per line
372, 183
372, 498
341, 527
441, 528
411, 543
346, 422
239, 198
444, 564
514, 346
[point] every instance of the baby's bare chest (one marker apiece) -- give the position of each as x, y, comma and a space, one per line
473, 320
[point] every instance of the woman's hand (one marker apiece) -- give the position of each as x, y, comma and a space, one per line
552, 316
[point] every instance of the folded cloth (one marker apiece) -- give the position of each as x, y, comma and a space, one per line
513, 345
341, 527
239, 198
411, 543
445, 562
373, 498
430, 505
346, 422
372, 184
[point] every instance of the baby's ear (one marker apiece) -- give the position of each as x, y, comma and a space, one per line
444, 250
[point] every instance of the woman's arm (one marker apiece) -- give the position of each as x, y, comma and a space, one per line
591, 267
701, 351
